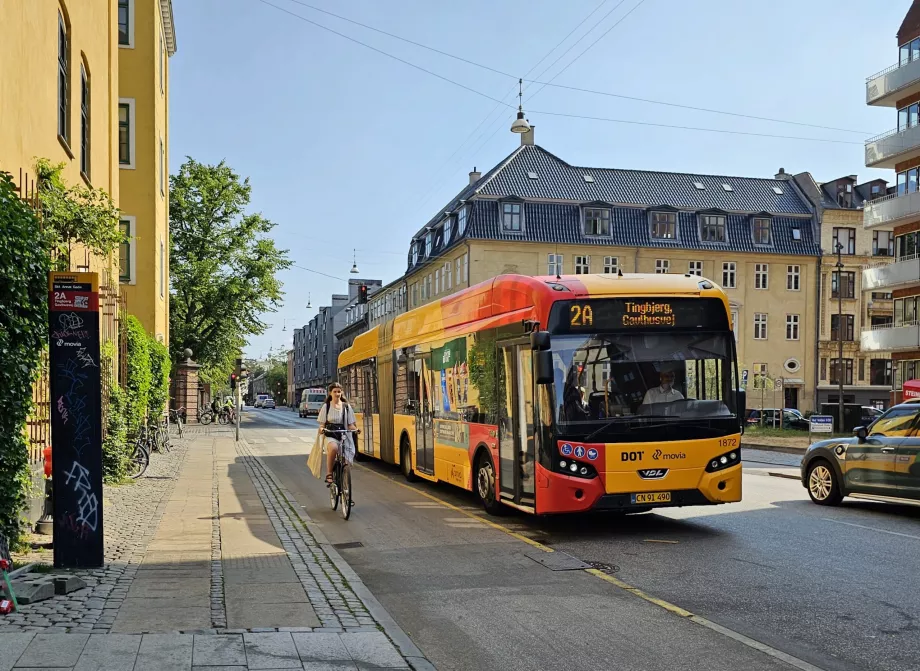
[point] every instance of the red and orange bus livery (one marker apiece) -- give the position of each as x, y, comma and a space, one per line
554, 395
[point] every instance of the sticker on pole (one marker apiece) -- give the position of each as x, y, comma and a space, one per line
821, 424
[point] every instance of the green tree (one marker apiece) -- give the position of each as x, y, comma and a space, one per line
223, 267
139, 374
159, 377
276, 380
115, 453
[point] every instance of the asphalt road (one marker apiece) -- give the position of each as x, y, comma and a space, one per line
834, 587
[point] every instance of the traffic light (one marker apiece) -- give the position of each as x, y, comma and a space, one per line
233, 381
362, 294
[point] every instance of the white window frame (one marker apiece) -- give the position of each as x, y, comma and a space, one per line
130, 44
611, 265
729, 272
162, 168
662, 266
582, 264
162, 63
466, 267
761, 320
762, 276
132, 246
702, 224
132, 132
769, 229
554, 264
794, 272
462, 217
448, 276
736, 323
520, 215
695, 268
437, 282
653, 226
162, 269
608, 220
459, 263
792, 322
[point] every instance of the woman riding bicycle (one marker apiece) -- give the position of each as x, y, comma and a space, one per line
335, 417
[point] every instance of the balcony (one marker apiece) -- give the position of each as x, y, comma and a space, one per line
892, 84
892, 209
880, 306
890, 338
889, 149
904, 271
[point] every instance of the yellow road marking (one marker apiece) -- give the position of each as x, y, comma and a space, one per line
677, 610
655, 540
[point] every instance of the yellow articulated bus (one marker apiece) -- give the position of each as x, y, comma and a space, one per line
554, 395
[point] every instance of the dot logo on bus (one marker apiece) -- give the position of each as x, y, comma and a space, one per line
580, 452
592, 454
567, 450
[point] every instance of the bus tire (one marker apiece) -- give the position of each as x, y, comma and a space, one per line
485, 484
405, 460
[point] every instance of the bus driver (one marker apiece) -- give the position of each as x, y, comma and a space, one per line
665, 391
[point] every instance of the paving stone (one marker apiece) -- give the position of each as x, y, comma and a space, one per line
165, 652
320, 647
11, 648
373, 649
49, 650
109, 652
219, 650
271, 651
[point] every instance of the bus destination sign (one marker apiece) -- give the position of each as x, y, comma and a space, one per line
626, 314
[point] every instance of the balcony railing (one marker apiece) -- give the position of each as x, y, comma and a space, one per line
891, 84
891, 209
904, 271
889, 338
887, 149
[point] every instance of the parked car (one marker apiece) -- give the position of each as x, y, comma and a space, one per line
311, 400
260, 399
791, 418
269, 403
882, 459
870, 414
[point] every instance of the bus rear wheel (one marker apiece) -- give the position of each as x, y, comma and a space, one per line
405, 461
485, 485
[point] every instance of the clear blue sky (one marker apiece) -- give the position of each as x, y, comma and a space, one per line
348, 148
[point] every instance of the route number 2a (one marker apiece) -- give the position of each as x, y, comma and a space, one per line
581, 315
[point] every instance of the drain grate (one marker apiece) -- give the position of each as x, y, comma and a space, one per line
348, 546
604, 568
557, 561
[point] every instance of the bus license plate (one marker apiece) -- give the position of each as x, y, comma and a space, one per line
653, 497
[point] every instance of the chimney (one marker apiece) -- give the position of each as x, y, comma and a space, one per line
475, 175
782, 174
527, 138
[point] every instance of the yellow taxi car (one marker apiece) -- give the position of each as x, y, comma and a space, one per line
882, 459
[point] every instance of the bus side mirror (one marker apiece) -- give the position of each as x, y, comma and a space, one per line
539, 341
543, 367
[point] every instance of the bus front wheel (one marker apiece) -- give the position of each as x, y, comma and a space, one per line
405, 461
485, 484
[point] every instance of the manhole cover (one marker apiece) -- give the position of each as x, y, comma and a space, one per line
557, 561
348, 546
604, 568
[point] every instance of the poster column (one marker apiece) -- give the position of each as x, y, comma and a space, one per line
76, 419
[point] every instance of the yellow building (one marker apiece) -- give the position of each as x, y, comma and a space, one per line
534, 214
59, 93
146, 40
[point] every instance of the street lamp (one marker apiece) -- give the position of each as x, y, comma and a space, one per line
839, 266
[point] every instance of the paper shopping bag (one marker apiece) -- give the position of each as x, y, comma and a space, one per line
315, 460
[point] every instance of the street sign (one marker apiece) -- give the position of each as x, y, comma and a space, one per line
744, 378
778, 384
821, 424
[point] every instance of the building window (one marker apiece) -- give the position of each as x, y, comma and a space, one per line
554, 264
762, 231
907, 181
908, 117
729, 274
162, 270
429, 243
847, 331
712, 228
695, 268
63, 79
664, 225
847, 371
662, 266
611, 265
162, 65
793, 274
125, 268
162, 168
84, 122
846, 237
448, 276
910, 51
459, 263
761, 276
880, 372
126, 132
124, 23
466, 267
448, 229
760, 326
597, 221
861, 366
823, 368
582, 265
437, 282
882, 243
792, 327
736, 324
760, 375
848, 280
511, 217
461, 221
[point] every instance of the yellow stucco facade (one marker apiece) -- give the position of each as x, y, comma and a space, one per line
144, 159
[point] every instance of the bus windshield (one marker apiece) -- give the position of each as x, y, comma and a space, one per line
614, 383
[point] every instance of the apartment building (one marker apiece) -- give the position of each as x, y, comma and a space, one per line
897, 89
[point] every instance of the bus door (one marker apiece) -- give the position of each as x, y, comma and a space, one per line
424, 425
517, 446
370, 407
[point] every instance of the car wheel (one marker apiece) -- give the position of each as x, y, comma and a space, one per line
485, 485
822, 483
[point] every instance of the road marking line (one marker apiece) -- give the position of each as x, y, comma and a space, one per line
795, 662
863, 526
655, 540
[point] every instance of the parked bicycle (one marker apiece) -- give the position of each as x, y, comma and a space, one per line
177, 418
159, 435
340, 489
140, 456
205, 416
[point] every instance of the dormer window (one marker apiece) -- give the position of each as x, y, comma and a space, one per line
762, 231
664, 225
512, 217
461, 220
712, 228
415, 247
448, 229
597, 221
429, 243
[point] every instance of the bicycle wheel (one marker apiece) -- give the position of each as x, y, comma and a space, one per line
164, 435
334, 487
206, 418
223, 418
140, 460
345, 492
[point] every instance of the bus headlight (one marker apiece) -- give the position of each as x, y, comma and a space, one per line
563, 463
724, 461
573, 467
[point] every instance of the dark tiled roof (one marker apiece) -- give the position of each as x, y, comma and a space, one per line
556, 222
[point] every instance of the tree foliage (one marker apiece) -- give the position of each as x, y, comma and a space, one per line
223, 267
159, 377
115, 453
139, 374
276, 380
24, 266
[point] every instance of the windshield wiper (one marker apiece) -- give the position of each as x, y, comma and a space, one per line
617, 420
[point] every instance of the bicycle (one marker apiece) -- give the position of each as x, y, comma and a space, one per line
140, 456
205, 416
176, 418
226, 416
158, 436
340, 489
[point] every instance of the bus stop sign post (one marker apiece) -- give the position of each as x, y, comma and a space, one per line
820, 424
